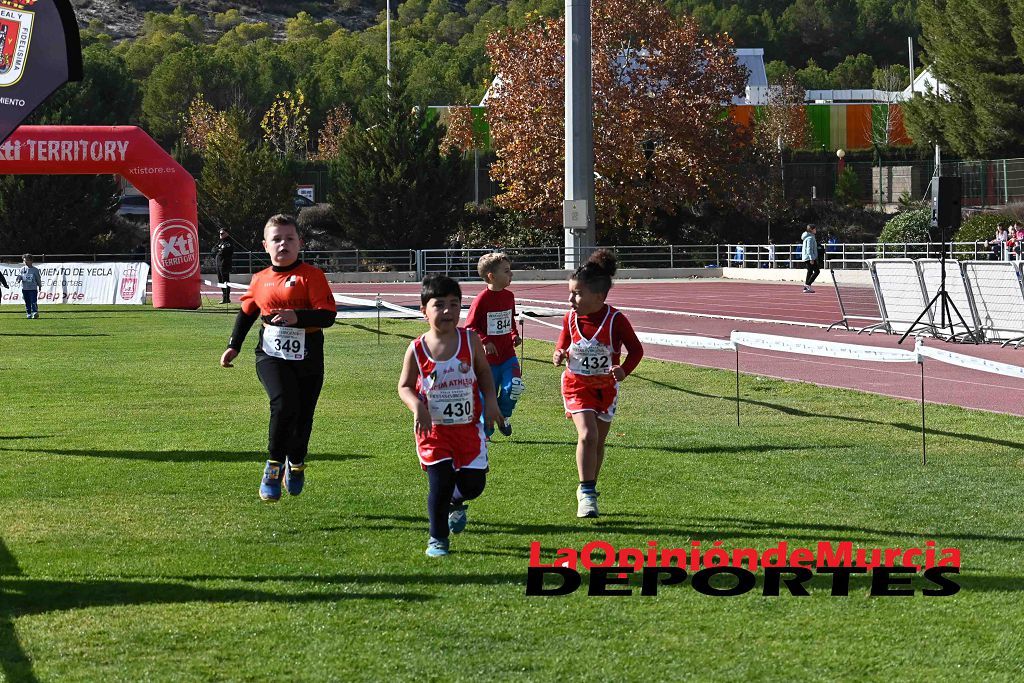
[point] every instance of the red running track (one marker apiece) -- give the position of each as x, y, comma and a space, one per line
784, 310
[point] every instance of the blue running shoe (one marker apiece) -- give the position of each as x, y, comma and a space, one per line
437, 547
457, 518
505, 426
294, 477
270, 487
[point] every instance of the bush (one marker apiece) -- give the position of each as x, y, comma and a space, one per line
980, 227
486, 226
907, 227
848, 188
320, 227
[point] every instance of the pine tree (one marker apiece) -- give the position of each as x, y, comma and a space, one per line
241, 185
393, 187
974, 48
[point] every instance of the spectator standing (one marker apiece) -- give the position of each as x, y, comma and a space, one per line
224, 253
31, 280
809, 255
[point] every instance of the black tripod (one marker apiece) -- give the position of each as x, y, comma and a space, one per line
945, 302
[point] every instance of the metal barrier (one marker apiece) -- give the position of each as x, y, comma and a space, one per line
901, 294
345, 261
959, 298
987, 295
461, 263
858, 300
77, 258
997, 293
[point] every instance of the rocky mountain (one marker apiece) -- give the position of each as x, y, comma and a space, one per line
123, 18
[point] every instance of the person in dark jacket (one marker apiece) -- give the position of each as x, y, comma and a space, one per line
224, 252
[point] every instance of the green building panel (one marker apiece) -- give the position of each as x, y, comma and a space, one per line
820, 118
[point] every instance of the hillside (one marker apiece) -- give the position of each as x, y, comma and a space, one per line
123, 18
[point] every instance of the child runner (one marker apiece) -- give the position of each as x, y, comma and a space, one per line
493, 317
443, 375
31, 281
295, 304
593, 334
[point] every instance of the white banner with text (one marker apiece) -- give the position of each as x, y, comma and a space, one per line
81, 283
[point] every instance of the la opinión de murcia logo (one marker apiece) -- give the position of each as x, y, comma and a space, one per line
720, 572
15, 39
175, 252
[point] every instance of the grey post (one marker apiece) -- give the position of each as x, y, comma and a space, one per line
578, 207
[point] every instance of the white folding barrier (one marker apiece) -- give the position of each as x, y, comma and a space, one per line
956, 288
901, 295
998, 297
858, 299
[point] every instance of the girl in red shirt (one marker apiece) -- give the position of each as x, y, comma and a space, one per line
593, 334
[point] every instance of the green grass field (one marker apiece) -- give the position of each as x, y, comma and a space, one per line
134, 547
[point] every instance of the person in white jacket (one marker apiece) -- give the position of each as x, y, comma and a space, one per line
809, 255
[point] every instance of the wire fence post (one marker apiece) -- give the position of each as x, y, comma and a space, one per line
378, 317
522, 343
737, 346
924, 432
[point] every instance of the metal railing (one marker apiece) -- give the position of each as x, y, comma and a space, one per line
461, 263
77, 258
344, 261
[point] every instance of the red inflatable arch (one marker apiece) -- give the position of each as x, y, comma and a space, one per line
127, 151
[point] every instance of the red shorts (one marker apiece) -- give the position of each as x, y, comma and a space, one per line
597, 394
464, 445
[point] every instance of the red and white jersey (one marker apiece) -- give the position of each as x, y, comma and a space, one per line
449, 387
592, 357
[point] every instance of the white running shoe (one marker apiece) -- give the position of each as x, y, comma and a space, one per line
586, 504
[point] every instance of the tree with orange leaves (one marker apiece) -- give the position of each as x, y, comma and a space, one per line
661, 135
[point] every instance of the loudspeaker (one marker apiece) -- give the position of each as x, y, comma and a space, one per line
950, 192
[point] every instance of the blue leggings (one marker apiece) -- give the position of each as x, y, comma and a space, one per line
503, 375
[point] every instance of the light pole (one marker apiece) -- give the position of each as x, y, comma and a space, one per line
578, 204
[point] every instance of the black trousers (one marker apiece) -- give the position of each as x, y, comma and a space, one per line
293, 388
224, 275
813, 270
446, 487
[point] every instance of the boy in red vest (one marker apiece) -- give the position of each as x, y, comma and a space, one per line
446, 383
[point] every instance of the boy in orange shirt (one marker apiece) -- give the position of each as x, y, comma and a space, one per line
295, 303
